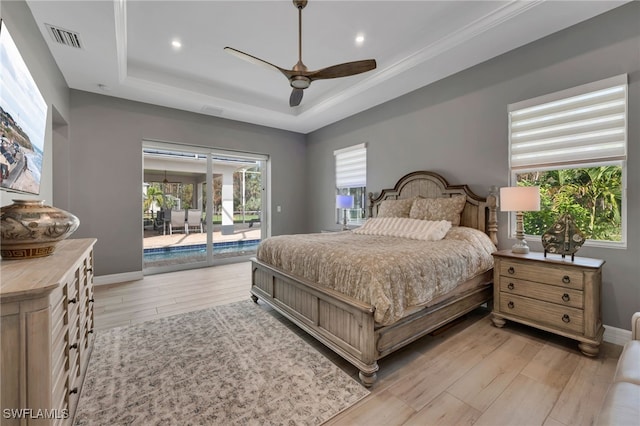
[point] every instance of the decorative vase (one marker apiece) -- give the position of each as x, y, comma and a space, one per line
29, 228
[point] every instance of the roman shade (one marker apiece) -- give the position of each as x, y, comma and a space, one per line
585, 124
351, 166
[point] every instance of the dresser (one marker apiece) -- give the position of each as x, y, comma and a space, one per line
551, 293
46, 330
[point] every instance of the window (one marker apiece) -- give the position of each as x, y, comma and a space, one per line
351, 179
573, 144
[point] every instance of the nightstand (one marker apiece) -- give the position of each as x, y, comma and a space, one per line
550, 293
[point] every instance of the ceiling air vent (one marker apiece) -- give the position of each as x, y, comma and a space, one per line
65, 37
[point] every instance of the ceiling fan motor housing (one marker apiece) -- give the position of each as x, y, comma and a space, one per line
300, 82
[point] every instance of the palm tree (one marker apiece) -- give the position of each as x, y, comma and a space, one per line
604, 198
593, 196
154, 196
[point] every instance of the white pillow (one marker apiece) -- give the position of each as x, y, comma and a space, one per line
415, 229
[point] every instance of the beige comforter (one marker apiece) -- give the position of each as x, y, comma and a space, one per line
392, 274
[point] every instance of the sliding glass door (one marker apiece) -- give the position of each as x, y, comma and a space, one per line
200, 206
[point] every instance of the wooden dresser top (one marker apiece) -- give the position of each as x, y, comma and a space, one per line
35, 276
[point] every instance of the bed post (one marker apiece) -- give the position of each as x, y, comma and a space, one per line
492, 223
370, 206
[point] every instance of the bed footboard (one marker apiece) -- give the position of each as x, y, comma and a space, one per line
343, 324
346, 325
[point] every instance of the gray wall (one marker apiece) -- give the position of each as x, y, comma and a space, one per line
458, 128
16, 15
105, 175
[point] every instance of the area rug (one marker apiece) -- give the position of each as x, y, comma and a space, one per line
229, 365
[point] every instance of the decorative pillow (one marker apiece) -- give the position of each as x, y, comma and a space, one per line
395, 208
404, 227
438, 209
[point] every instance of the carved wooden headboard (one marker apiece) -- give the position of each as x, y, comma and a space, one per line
479, 213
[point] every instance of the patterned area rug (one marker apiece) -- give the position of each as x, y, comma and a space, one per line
231, 364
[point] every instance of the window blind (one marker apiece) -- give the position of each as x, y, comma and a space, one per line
584, 124
351, 166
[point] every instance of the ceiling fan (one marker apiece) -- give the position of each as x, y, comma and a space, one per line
300, 77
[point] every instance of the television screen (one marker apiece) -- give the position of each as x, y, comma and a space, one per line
23, 119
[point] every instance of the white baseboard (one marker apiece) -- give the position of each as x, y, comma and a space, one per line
117, 278
617, 336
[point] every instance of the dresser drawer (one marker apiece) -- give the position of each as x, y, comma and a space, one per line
565, 277
559, 317
545, 292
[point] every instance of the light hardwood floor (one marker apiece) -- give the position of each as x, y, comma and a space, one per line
470, 373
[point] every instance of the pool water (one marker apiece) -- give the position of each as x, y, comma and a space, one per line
234, 248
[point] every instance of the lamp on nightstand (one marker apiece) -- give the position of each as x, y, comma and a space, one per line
520, 199
344, 202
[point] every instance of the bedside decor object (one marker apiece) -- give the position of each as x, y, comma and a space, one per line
344, 202
563, 237
520, 199
29, 228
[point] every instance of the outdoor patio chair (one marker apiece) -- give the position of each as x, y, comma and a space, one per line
178, 222
194, 220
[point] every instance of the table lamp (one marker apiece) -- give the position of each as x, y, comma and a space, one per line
344, 202
520, 199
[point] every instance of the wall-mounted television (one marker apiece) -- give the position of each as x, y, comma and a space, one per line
23, 120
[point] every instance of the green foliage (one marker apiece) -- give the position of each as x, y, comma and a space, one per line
252, 190
154, 194
593, 196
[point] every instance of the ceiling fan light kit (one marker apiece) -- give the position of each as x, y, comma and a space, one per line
299, 76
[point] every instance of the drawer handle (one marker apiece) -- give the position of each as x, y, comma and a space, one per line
510, 286
90, 331
566, 279
565, 318
74, 346
511, 270
91, 300
72, 391
511, 305
74, 300
566, 297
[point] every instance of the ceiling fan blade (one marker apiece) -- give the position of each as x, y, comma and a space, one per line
343, 70
254, 60
296, 97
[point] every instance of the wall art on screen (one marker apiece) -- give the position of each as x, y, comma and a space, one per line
23, 119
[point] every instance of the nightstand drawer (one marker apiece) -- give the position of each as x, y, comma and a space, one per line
549, 293
560, 317
564, 277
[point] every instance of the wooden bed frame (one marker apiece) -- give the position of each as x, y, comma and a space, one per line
346, 325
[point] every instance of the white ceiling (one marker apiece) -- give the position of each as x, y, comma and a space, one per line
127, 50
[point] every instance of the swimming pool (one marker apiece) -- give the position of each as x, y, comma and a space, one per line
199, 251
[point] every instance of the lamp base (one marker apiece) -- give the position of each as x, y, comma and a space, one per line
520, 247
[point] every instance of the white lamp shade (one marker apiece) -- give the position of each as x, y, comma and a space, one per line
344, 201
520, 198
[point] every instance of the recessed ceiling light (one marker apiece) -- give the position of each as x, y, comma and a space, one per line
176, 44
359, 39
